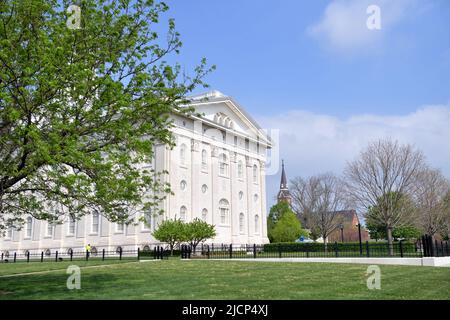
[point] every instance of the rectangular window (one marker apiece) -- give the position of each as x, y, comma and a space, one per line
247, 144
120, 227
29, 227
95, 223
9, 233
71, 227
49, 229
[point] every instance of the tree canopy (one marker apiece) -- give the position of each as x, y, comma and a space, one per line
82, 108
282, 224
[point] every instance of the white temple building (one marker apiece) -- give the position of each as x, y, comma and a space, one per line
216, 171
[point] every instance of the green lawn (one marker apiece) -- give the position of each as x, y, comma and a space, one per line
207, 279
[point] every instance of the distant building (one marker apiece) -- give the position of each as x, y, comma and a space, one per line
284, 194
348, 230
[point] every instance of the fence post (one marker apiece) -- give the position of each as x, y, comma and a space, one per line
336, 249
120, 253
401, 248
254, 250
231, 251
367, 249
103, 254
15, 256
71, 255
2, 256
138, 253
448, 252
56, 256
42, 256
442, 249
28, 256
208, 251
279, 250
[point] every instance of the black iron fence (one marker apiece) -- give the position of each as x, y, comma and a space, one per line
70, 254
399, 249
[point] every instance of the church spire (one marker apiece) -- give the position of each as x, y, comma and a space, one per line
283, 183
284, 194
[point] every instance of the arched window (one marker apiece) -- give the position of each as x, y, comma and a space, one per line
224, 211
204, 214
147, 221
223, 165
71, 226
256, 224
183, 211
183, 154
240, 170
255, 174
95, 222
241, 223
204, 160
29, 227
183, 185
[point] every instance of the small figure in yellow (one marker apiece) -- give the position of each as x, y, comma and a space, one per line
88, 250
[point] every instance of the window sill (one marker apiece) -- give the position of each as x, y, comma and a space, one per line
93, 234
184, 166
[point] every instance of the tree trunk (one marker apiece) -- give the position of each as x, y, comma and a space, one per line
390, 240
171, 249
325, 243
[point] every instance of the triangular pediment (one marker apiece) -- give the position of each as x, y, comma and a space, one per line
225, 112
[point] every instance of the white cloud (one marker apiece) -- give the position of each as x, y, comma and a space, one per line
314, 143
343, 25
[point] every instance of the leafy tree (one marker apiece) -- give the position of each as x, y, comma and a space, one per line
80, 109
172, 232
276, 212
288, 228
197, 231
378, 228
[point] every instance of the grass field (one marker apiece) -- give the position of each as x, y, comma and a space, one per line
207, 279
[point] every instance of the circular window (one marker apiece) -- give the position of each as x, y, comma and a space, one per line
241, 195
48, 252
183, 185
204, 188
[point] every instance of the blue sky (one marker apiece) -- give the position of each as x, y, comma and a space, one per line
313, 70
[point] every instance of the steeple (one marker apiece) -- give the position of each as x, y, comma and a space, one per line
283, 183
284, 194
